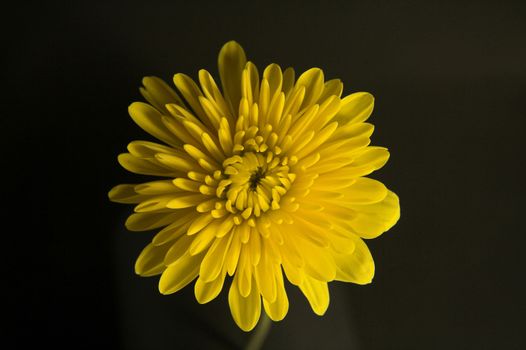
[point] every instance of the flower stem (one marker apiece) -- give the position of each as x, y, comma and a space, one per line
260, 333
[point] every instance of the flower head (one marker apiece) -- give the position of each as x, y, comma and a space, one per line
260, 180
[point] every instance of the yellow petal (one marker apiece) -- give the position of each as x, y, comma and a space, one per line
372, 220
125, 194
312, 79
333, 87
212, 92
199, 223
355, 108
364, 191
178, 249
357, 267
245, 311
294, 274
191, 94
265, 279
204, 239
231, 62
151, 260
145, 166
250, 83
170, 233
317, 293
327, 111
187, 184
288, 80
146, 149
215, 259
156, 187
278, 309
234, 250
186, 200
157, 203
370, 159
180, 273
351, 130
149, 221
274, 78
318, 260
158, 93
208, 291
150, 120
244, 273
374, 157
176, 162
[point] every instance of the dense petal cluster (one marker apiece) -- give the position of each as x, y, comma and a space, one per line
261, 179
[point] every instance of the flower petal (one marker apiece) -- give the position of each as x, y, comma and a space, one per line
317, 293
313, 82
144, 166
158, 93
186, 200
288, 80
125, 194
212, 93
215, 259
191, 93
245, 311
151, 260
355, 108
274, 78
331, 87
178, 249
364, 191
208, 291
150, 220
357, 267
278, 309
150, 120
265, 278
180, 273
374, 219
231, 62
318, 260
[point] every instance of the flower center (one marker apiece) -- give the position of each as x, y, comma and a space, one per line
255, 178
255, 183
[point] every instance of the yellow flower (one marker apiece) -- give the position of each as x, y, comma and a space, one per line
265, 177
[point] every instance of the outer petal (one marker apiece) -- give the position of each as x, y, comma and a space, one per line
365, 191
159, 94
208, 291
231, 62
144, 166
151, 260
313, 81
150, 120
317, 293
214, 259
245, 311
150, 220
278, 309
355, 108
374, 219
357, 267
126, 194
180, 273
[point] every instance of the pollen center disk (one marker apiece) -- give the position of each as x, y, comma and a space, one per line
254, 183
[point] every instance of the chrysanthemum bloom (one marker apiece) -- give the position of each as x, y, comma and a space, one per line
265, 176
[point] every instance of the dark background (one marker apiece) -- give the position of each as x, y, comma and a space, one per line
449, 80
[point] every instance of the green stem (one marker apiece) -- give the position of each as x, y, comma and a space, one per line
260, 333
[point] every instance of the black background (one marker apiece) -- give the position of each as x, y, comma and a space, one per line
449, 80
